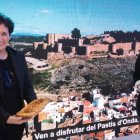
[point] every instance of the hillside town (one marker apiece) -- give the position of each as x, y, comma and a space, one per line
87, 108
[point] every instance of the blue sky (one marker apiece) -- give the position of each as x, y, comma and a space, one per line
62, 16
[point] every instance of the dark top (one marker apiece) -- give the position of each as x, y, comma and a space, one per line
136, 77
15, 85
9, 88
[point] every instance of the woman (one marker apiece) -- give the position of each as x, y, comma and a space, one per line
136, 80
15, 85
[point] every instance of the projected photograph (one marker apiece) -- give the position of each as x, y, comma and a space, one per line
81, 55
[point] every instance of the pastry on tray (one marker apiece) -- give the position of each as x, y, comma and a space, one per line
33, 108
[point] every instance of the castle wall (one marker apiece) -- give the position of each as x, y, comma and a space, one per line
99, 47
127, 47
59, 47
52, 38
137, 49
69, 42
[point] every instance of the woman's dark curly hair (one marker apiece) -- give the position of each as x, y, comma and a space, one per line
7, 22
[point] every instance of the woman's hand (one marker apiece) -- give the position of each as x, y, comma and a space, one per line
17, 120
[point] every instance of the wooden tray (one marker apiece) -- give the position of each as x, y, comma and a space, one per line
33, 108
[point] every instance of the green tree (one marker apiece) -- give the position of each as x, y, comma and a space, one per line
75, 33
86, 41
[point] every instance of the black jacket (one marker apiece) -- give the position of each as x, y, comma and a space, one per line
26, 91
136, 77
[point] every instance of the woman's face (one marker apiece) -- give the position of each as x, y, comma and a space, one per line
4, 37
